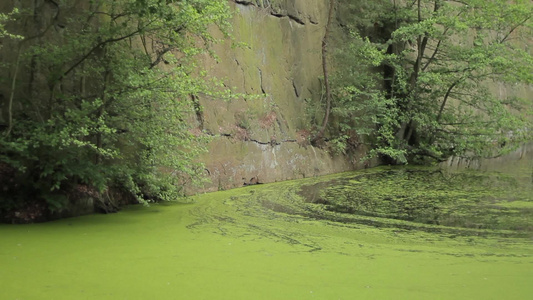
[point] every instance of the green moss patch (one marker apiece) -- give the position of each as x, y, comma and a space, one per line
275, 241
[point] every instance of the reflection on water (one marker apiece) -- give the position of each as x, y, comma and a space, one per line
518, 164
459, 199
479, 197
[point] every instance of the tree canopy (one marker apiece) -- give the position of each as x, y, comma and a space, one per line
105, 100
423, 75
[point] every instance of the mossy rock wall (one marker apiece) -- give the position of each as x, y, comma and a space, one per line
266, 137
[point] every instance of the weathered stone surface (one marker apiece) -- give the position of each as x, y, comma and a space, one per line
265, 137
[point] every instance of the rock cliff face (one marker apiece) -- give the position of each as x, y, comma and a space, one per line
265, 138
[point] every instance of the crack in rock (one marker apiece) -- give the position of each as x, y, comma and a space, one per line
312, 21
261, 81
296, 92
245, 2
243, 73
290, 16
277, 14
272, 142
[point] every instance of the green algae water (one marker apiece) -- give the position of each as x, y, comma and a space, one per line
383, 233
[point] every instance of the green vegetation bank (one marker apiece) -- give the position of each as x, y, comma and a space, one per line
115, 101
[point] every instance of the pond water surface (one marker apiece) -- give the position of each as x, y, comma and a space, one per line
383, 233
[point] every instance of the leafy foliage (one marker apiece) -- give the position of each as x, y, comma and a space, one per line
108, 100
4, 18
440, 62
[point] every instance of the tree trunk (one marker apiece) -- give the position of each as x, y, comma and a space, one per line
320, 132
12, 95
